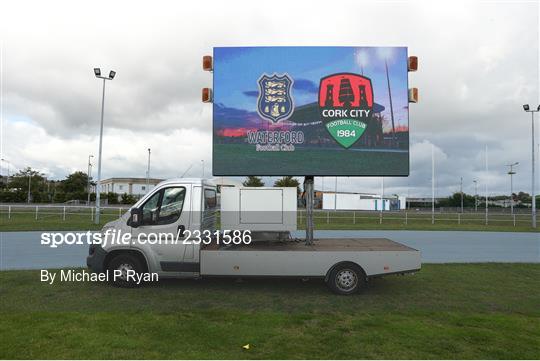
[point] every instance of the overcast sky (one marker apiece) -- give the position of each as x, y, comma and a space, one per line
478, 63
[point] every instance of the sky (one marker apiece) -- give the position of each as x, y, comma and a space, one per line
478, 63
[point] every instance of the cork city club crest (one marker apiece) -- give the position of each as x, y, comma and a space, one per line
275, 101
345, 106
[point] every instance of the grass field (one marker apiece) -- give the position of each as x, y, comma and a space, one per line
236, 158
469, 311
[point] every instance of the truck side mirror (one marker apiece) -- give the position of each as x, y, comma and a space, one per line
136, 217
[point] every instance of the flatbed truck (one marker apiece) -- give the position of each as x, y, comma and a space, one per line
189, 206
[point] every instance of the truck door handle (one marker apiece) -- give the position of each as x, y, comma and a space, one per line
180, 231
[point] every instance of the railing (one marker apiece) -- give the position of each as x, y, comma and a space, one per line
407, 217
40, 211
331, 217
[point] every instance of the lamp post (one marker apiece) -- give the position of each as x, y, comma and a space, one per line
89, 176
97, 73
148, 173
461, 192
29, 184
511, 173
475, 195
533, 195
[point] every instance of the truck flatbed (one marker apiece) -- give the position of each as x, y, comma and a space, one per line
376, 256
325, 244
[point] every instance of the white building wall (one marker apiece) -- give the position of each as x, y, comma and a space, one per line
348, 201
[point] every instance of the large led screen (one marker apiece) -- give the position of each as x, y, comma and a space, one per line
323, 111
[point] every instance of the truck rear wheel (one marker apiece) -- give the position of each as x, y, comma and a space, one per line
346, 279
121, 267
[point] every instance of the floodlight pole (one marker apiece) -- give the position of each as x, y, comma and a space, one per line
511, 173
475, 195
461, 192
29, 184
432, 185
89, 176
97, 73
308, 189
533, 193
533, 196
148, 173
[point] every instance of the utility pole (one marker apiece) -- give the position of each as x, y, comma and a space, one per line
511, 173
148, 173
89, 177
335, 195
486, 185
202, 165
475, 195
382, 194
461, 192
432, 185
29, 183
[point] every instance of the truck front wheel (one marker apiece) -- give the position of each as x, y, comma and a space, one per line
122, 270
346, 279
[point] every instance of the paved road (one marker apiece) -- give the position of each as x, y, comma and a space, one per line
22, 250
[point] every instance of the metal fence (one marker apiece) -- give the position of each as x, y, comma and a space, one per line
60, 211
407, 217
332, 217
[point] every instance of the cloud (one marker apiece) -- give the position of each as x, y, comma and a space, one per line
478, 63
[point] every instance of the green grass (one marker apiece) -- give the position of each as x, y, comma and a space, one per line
81, 221
236, 158
458, 311
53, 220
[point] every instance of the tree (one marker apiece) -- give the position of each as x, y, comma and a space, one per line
288, 181
128, 199
20, 181
455, 200
253, 181
75, 182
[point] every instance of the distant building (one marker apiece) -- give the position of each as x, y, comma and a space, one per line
362, 201
133, 186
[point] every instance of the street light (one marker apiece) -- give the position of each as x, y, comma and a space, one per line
461, 192
475, 195
148, 173
511, 173
533, 212
89, 176
97, 73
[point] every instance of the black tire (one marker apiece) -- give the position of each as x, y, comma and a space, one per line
124, 262
346, 279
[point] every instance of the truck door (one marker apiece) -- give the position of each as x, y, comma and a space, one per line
165, 215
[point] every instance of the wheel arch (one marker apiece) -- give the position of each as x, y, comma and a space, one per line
132, 252
343, 263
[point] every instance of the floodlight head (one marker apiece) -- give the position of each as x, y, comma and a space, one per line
112, 73
526, 107
97, 71
538, 109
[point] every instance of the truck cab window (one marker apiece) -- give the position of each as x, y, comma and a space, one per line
171, 205
150, 210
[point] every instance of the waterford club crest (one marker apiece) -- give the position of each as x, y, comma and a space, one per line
345, 106
275, 101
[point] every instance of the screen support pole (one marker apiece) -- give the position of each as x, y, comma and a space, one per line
309, 193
